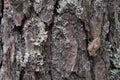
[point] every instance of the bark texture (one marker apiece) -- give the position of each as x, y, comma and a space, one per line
59, 39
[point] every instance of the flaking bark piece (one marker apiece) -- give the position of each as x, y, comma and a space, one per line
94, 46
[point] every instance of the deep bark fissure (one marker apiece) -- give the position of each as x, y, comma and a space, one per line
22, 72
18, 29
91, 59
1, 44
87, 40
104, 64
112, 66
0, 64
49, 40
92, 67
1, 49
2, 9
55, 8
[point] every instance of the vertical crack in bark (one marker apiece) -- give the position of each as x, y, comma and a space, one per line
92, 68
1, 45
86, 35
104, 64
55, 8
49, 40
1, 10
1, 49
105, 39
49, 51
22, 72
0, 64
91, 59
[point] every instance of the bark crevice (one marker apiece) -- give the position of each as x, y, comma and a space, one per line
48, 44
22, 72
1, 10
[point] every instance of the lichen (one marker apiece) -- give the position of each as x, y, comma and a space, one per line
114, 74
62, 28
25, 60
37, 6
79, 11
63, 3
77, 7
34, 50
42, 36
115, 58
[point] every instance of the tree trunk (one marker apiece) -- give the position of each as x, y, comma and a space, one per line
59, 39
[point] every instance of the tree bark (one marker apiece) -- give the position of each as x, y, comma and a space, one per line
59, 39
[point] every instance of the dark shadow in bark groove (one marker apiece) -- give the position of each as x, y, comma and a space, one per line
37, 75
22, 72
20, 28
48, 47
91, 59
2, 10
48, 43
55, 7
112, 66
0, 64
1, 55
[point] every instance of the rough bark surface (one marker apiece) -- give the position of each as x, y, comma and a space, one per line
59, 39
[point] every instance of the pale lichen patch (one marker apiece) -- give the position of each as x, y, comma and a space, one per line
42, 36
79, 11
35, 35
63, 3
26, 56
38, 5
